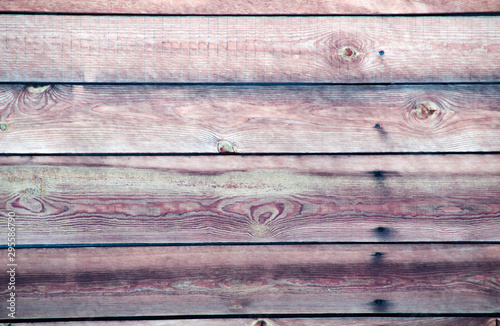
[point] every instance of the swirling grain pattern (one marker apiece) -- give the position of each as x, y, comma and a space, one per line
81, 200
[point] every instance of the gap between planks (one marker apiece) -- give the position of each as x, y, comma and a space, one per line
256, 7
449, 321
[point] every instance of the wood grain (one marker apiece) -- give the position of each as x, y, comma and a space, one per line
256, 7
212, 199
253, 119
284, 322
233, 280
312, 49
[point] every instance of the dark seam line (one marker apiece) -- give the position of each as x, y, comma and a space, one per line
230, 244
263, 315
298, 154
239, 84
448, 14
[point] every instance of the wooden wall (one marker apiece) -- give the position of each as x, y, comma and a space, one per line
250, 163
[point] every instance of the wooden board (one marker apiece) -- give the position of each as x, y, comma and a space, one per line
256, 7
207, 199
285, 322
311, 49
253, 119
235, 280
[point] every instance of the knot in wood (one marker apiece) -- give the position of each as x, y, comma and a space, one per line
3, 126
36, 100
224, 146
348, 52
37, 88
426, 114
427, 109
261, 322
493, 322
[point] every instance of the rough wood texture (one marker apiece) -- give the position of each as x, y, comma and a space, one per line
253, 119
255, 7
48, 48
286, 322
65, 200
207, 280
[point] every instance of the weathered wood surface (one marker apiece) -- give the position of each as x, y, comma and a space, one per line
254, 119
58, 48
215, 280
207, 199
285, 322
256, 7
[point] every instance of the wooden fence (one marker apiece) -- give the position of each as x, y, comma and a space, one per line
250, 163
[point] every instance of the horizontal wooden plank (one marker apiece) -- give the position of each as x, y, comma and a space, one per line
233, 280
253, 119
116, 49
256, 7
204, 199
285, 322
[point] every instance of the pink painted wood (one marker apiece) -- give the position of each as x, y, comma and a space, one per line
195, 49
